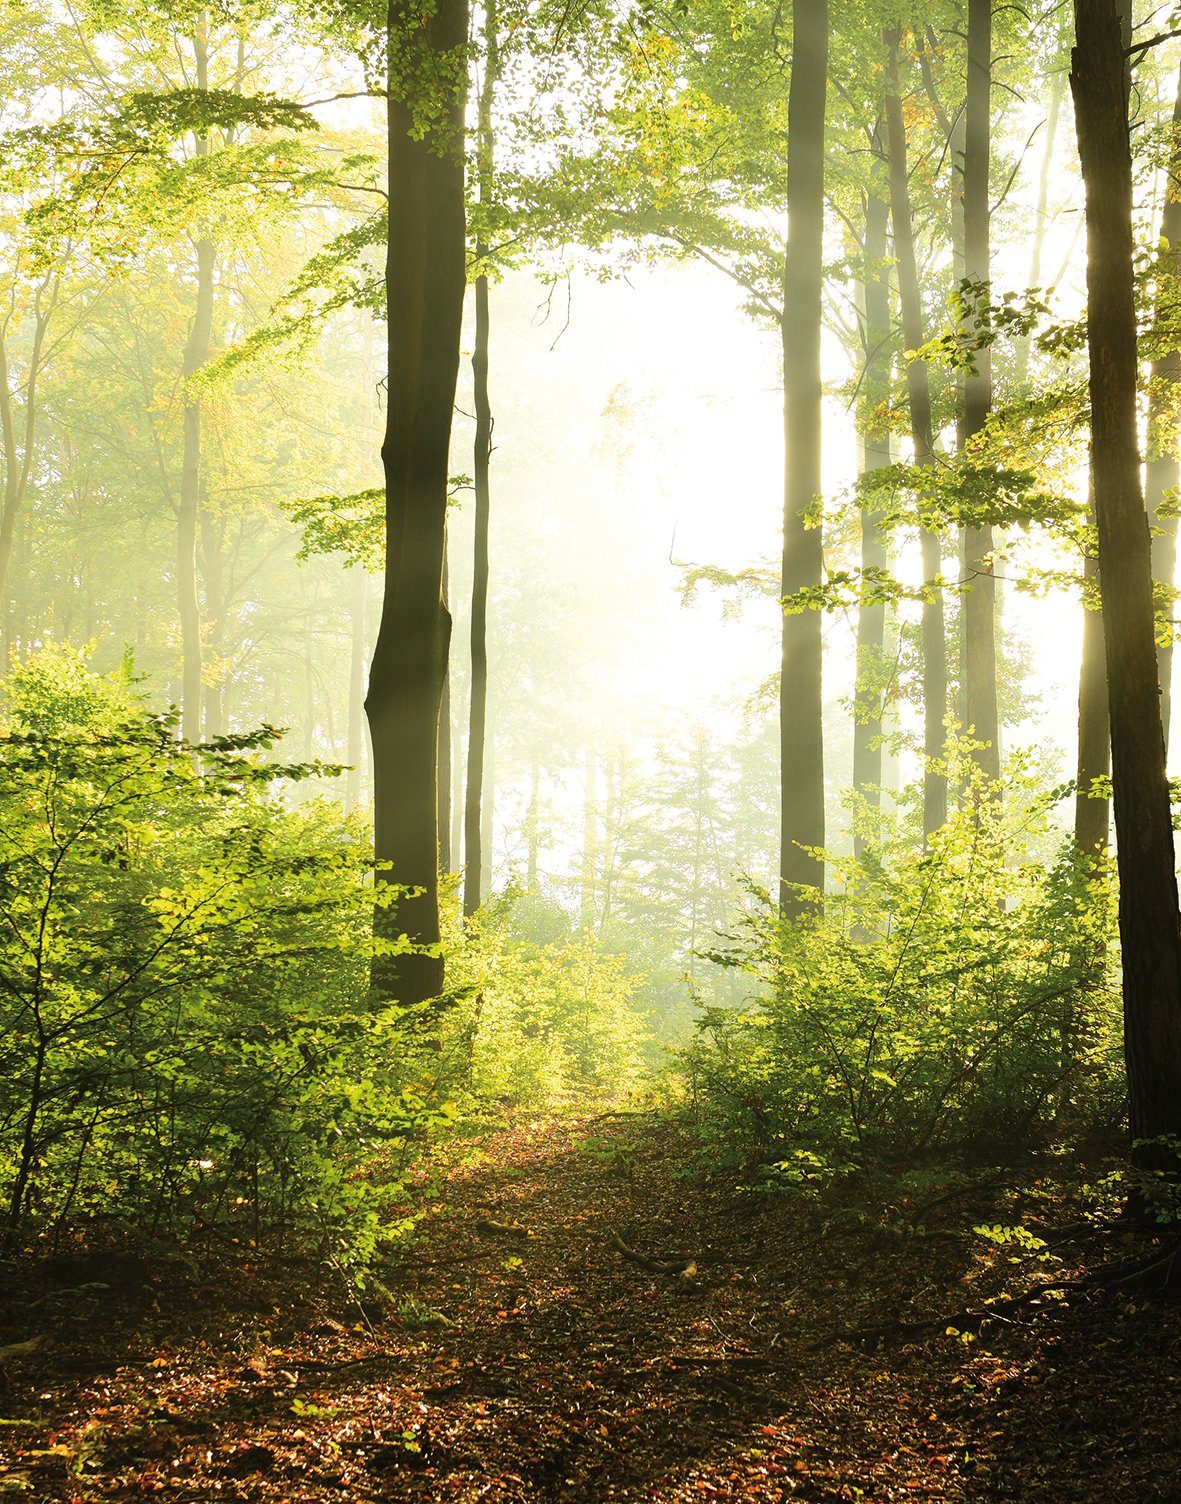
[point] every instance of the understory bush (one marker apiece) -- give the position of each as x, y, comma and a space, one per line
546, 1025
955, 1001
187, 1039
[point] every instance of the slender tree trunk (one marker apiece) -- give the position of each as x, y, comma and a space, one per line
356, 727
801, 731
1162, 473
478, 707
445, 754
871, 618
1057, 89
1150, 935
425, 281
196, 353
1091, 814
979, 601
918, 392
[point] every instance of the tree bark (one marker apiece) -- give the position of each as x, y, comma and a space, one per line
425, 281
478, 706
979, 601
871, 618
1162, 472
801, 733
1091, 815
1150, 935
918, 393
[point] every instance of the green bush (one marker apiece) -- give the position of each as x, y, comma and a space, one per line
187, 1039
956, 1001
546, 1025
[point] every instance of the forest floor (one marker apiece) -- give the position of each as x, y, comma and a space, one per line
523, 1357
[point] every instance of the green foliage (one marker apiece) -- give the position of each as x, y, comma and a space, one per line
946, 1002
188, 1039
546, 1024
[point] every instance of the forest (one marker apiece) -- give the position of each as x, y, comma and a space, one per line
588, 893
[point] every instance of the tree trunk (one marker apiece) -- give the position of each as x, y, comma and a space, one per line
871, 618
1091, 815
356, 730
918, 392
478, 706
979, 601
1163, 469
196, 353
425, 280
1057, 89
801, 733
1150, 935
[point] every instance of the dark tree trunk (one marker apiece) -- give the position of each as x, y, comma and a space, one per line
979, 601
425, 281
1091, 814
801, 734
478, 706
871, 618
1163, 470
1149, 932
918, 392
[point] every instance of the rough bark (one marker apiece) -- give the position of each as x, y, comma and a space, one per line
425, 280
1150, 935
1162, 471
918, 393
801, 704
979, 600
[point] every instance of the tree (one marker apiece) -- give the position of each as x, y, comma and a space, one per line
918, 392
979, 608
801, 732
482, 455
1150, 933
425, 280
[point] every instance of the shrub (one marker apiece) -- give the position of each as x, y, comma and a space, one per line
953, 1001
186, 1034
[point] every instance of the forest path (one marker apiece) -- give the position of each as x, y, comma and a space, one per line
525, 1359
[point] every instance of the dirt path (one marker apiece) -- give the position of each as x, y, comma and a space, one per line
523, 1358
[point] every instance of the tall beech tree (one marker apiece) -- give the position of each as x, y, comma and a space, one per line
1092, 818
918, 395
481, 461
978, 668
871, 615
1150, 932
425, 279
801, 734
1162, 471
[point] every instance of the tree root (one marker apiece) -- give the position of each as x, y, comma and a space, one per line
682, 1268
